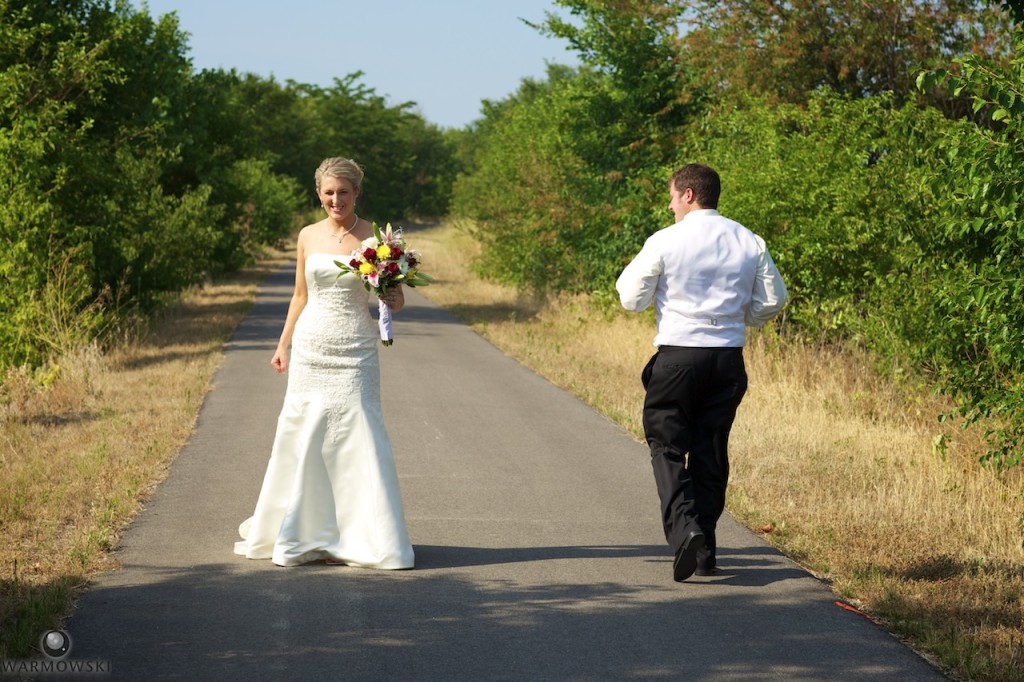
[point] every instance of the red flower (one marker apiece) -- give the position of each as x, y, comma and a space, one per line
392, 268
354, 263
370, 255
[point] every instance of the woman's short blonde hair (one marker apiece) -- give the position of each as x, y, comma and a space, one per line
339, 167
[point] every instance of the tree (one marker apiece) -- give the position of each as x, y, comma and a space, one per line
650, 94
976, 344
80, 154
565, 171
124, 172
1015, 8
785, 49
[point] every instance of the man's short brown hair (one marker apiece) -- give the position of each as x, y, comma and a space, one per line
703, 180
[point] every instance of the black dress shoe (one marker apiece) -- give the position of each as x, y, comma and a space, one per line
706, 564
686, 556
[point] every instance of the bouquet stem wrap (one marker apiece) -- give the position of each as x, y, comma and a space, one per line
384, 322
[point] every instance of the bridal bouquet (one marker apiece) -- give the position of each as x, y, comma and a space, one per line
383, 261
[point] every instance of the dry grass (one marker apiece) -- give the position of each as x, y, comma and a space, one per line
864, 487
83, 442
847, 474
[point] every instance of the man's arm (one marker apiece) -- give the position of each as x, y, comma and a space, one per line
637, 283
770, 292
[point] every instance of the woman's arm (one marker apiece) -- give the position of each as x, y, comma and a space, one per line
298, 302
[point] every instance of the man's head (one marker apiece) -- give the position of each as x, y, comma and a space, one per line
693, 187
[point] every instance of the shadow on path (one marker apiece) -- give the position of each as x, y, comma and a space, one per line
263, 622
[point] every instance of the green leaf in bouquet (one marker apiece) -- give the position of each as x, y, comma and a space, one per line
420, 279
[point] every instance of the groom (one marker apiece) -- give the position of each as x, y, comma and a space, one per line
708, 277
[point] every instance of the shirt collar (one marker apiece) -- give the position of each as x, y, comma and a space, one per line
699, 212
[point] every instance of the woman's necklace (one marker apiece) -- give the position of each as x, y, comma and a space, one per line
344, 231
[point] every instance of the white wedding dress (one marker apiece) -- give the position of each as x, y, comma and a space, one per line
331, 489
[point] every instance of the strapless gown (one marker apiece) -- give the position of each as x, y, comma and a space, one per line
331, 488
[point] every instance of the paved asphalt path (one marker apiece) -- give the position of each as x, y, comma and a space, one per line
538, 548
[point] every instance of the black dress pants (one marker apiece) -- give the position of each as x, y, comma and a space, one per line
692, 396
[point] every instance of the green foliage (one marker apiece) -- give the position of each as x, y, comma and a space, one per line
409, 163
898, 226
519, 195
977, 314
905, 237
561, 186
1015, 8
127, 177
785, 50
837, 223
50, 69
261, 207
634, 120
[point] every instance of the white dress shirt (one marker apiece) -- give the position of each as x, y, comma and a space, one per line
709, 278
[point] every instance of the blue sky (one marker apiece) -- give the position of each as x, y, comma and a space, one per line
446, 55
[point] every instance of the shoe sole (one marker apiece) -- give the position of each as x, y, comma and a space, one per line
686, 561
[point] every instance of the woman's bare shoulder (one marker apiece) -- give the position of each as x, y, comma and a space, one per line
306, 233
309, 228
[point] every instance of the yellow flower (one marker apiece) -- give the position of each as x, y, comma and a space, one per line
383, 251
367, 269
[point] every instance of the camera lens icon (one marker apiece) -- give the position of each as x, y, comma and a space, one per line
55, 643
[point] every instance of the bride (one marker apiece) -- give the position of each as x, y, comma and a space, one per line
331, 489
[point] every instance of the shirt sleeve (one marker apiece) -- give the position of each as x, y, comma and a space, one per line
637, 283
770, 292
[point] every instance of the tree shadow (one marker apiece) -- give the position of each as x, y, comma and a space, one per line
943, 580
748, 566
435, 557
492, 312
755, 566
421, 313
29, 608
52, 419
252, 620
